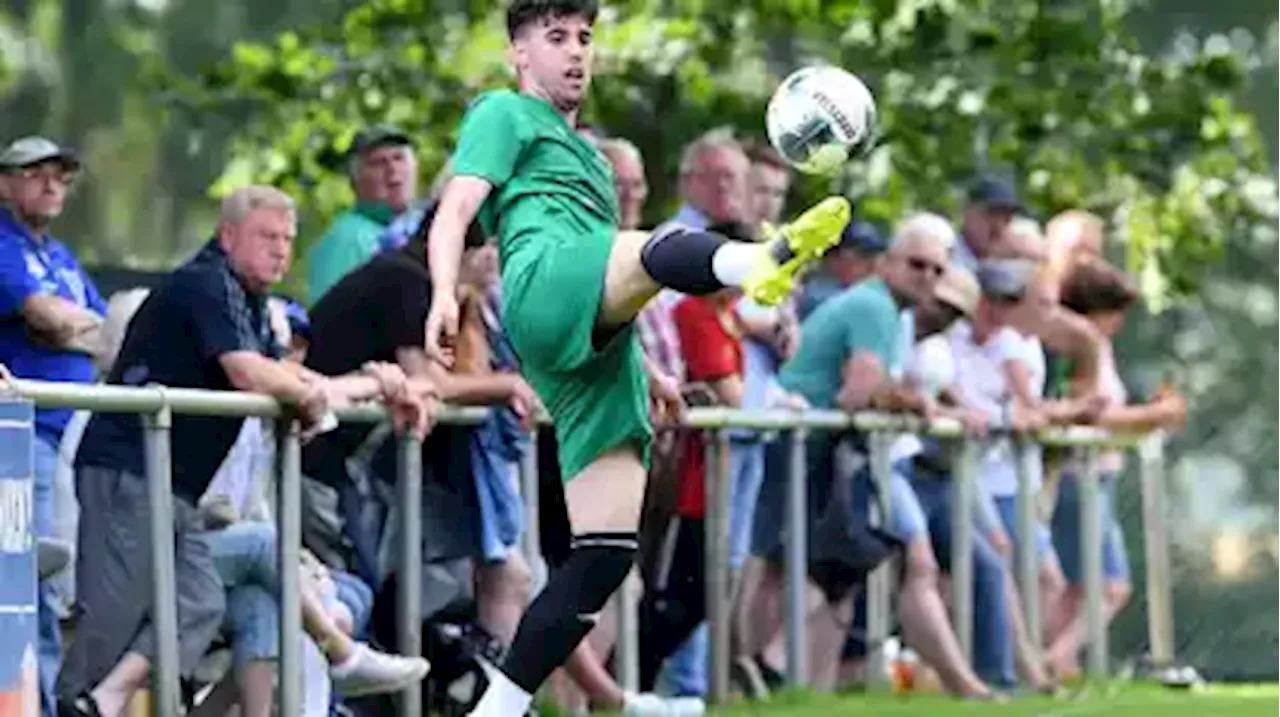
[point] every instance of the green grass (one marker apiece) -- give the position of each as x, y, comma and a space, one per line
1126, 701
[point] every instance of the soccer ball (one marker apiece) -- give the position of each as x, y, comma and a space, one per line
819, 118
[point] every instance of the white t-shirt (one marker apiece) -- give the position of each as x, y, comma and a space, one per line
981, 383
930, 368
1028, 351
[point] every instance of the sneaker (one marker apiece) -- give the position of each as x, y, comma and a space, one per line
806, 238
686, 707
644, 704
746, 674
52, 556
369, 672
82, 706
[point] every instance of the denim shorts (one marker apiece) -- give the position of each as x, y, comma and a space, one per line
1007, 508
1067, 532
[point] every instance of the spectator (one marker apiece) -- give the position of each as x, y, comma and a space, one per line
992, 204
384, 174
53, 316
1102, 295
848, 351
714, 172
848, 262
377, 313
628, 180
767, 184
204, 327
674, 602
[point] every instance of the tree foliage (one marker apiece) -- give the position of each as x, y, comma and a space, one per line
1054, 93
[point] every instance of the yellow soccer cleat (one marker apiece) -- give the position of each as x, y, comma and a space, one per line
795, 245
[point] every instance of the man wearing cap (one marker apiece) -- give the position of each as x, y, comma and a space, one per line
384, 174
992, 204
51, 313
848, 262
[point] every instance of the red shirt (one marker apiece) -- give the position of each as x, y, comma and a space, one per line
711, 342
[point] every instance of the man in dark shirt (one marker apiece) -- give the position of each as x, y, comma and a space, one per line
205, 326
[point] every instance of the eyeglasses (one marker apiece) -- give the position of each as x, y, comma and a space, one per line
924, 265
65, 177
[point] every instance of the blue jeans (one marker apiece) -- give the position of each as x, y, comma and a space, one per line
45, 465
993, 651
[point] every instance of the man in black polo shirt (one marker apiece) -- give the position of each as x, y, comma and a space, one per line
206, 326
377, 313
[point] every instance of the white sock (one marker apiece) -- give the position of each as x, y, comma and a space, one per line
502, 698
734, 261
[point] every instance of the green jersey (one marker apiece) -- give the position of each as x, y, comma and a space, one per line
554, 212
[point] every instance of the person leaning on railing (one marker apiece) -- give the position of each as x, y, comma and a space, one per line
205, 326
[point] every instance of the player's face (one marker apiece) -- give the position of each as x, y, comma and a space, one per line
553, 57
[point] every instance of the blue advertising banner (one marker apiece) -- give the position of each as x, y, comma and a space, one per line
19, 691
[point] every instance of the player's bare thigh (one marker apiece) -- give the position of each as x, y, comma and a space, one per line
627, 286
607, 495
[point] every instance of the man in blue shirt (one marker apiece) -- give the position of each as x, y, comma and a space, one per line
49, 318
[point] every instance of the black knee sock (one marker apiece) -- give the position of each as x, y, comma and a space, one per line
680, 259
685, 259
568, 607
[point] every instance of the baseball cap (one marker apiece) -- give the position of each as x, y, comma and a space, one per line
34, 150
1005, 278
994, 192
958, 288
379, 135
862, 237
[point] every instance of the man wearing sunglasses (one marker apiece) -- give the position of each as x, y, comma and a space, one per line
50, 313
850, 350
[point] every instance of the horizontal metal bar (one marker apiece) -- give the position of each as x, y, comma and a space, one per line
124, 399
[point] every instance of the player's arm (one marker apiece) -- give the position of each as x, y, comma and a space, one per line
460, 202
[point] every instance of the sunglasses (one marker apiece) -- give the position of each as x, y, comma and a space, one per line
923, 265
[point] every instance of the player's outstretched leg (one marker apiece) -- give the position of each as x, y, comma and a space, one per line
603, 502
699, 262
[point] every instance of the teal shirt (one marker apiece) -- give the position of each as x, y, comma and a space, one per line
351, 240
863, 317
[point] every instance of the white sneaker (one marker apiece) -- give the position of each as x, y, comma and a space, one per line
369, 672
686, 707
645, 704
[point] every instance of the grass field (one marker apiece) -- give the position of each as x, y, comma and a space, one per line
1127, 701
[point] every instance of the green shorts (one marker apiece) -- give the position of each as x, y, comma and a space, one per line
598, 398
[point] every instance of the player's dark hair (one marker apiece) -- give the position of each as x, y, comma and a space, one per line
521, 13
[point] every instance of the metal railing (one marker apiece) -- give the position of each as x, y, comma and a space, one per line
157, 405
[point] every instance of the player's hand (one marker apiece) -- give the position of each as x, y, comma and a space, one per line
442, 327
668, 402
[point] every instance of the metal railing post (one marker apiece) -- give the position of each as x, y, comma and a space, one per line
289, 532
880, 581
716, 564
530, 539
1027, 552
627, 650
409, 584
167, 697
964, 489
1091, 550
797, 559
1156, 541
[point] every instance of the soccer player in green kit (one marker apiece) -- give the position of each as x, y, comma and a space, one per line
572, 285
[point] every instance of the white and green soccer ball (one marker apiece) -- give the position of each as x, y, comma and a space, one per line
820, 117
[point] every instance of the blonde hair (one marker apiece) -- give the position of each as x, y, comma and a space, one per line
237, 205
